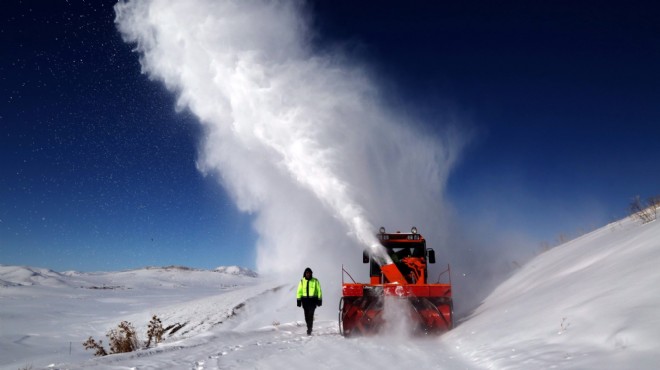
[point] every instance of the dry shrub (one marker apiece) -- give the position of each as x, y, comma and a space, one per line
97, 347
155, 331
123, 339
645, 212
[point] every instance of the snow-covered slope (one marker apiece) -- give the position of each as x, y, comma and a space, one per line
45, 314
591, 303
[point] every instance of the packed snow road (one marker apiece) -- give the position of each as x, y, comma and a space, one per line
288, 347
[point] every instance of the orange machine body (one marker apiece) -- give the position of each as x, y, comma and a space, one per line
403, 277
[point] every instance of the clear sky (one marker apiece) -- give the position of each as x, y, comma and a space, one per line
98, 170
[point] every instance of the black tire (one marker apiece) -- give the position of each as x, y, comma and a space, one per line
341, 314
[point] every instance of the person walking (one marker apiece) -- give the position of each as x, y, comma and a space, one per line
309, 297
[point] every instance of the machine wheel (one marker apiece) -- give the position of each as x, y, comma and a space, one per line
341, 309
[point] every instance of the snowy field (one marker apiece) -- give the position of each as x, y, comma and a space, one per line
592, 303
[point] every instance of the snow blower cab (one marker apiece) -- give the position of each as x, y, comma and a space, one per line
403, 279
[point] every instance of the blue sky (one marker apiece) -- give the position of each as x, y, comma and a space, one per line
98, 169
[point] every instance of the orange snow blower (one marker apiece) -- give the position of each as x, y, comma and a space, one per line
429, 307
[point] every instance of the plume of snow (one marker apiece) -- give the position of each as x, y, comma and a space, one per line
298, 136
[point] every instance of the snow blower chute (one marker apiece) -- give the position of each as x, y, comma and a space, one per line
429, 306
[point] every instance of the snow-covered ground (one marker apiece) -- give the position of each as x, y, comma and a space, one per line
592, 303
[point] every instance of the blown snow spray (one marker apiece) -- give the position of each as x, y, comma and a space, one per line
297, 135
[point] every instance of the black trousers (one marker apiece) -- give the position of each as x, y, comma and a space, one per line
309, 305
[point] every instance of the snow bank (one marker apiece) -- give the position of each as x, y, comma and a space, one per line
591, 303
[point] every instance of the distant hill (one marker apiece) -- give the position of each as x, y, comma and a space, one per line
236, 270
28, 276
173, 276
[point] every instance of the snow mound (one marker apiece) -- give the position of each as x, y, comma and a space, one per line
236, 270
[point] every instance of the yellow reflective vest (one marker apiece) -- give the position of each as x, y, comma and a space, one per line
309, 289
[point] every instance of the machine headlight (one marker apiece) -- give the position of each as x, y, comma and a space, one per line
413, 230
